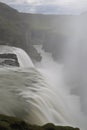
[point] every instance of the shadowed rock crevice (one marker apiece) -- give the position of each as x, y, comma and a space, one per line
9, 59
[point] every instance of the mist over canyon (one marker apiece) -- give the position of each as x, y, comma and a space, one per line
54, 86
52, 31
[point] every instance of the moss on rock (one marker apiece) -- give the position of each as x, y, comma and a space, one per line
12, 123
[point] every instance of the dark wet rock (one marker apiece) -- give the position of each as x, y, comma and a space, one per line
9, 59
12, 123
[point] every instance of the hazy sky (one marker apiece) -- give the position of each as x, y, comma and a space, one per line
48, 6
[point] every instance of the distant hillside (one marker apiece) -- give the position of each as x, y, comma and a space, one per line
53, 31
13, 30
10, 24
56, 31
8, 12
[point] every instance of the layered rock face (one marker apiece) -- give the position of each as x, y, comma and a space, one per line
9, 59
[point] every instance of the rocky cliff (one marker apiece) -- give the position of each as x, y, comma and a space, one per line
13, 31
52, 31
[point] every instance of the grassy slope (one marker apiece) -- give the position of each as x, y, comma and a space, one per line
11, 123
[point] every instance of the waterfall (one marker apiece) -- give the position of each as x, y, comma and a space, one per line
23, 58
56, 77
37, 95
76, 65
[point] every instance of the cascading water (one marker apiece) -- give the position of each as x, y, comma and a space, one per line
23, 58
55, 73
36, 96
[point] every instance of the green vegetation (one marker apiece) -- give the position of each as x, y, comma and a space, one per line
12, 123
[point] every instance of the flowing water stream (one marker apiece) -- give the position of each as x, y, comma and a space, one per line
38, 94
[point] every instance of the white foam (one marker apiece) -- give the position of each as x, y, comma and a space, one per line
23, 59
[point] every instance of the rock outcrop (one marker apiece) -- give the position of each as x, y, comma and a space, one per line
13, 31
12, 123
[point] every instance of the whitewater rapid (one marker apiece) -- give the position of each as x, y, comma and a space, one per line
27, 94
23, 59
38, 96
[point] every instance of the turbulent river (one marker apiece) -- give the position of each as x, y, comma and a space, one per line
38, 94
